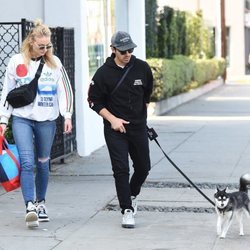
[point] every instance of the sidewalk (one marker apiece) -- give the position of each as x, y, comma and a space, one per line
208, 138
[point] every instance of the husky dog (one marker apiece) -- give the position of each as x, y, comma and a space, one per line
229, 205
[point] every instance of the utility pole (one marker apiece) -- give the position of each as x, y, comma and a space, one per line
223, 34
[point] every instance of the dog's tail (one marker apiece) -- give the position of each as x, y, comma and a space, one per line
245, 182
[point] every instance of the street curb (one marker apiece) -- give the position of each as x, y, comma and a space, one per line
164, 106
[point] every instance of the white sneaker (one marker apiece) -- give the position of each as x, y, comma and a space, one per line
31, 217
134, 204
128, 220
42, 212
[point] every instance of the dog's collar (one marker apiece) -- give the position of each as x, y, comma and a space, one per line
221, 210
225, 209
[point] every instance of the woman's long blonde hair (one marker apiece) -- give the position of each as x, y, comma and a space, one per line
39, 30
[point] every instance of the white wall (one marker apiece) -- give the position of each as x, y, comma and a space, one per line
130, 17
89, 133
121, 15
235, 20
136, 26
13, 11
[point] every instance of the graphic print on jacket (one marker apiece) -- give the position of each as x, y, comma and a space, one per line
21, 70
47, 89
22, 75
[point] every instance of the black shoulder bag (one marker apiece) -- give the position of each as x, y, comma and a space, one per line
121, 80
25, 95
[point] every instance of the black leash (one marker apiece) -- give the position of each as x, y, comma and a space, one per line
152, 135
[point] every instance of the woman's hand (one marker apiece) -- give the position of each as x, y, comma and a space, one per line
67, 126
3, 128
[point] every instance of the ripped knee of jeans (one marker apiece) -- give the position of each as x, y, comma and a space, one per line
44, 159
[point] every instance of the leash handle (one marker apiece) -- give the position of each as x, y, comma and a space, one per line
152, 135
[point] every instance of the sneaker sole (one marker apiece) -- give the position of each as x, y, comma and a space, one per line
31, 216
32, 224
32, 219
128, 226
43, 219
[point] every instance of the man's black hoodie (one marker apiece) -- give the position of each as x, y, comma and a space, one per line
129, 101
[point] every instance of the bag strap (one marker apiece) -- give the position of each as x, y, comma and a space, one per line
40, 68
12, 156
4, 146
121, 80
1, 144
34, 84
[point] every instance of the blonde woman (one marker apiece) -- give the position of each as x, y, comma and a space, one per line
34, 125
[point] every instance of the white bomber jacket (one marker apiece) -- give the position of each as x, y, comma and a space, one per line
54, 92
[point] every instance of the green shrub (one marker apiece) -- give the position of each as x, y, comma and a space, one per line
183, 66
158, 91
180, 74
221, 64
8, 133
201, 69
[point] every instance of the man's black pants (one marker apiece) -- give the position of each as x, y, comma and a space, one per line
134, 143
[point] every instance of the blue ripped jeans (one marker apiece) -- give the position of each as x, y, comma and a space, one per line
34, 141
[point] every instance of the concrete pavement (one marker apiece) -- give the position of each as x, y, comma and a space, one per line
208, 138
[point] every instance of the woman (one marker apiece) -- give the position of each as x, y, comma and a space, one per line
34, 125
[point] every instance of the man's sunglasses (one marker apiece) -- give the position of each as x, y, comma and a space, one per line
124, 52
42, 47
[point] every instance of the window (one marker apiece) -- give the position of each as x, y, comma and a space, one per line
100, 22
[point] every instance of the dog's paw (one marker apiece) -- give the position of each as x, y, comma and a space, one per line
241, 234
222, 236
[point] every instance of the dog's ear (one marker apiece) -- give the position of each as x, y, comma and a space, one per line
216, 190
226, 190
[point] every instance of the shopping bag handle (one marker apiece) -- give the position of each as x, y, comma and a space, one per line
1, 144
4, 146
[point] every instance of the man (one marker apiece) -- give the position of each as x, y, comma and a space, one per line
120, 92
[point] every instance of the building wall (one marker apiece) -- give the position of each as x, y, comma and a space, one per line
234, 18
14, 10
129, 16
88, 133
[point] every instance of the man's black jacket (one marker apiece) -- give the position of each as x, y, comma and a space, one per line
129, 100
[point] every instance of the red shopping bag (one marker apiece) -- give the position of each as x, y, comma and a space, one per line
9, 165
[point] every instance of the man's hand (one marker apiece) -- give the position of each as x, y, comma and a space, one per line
118, 124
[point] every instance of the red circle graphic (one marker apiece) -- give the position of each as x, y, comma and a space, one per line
21, 70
